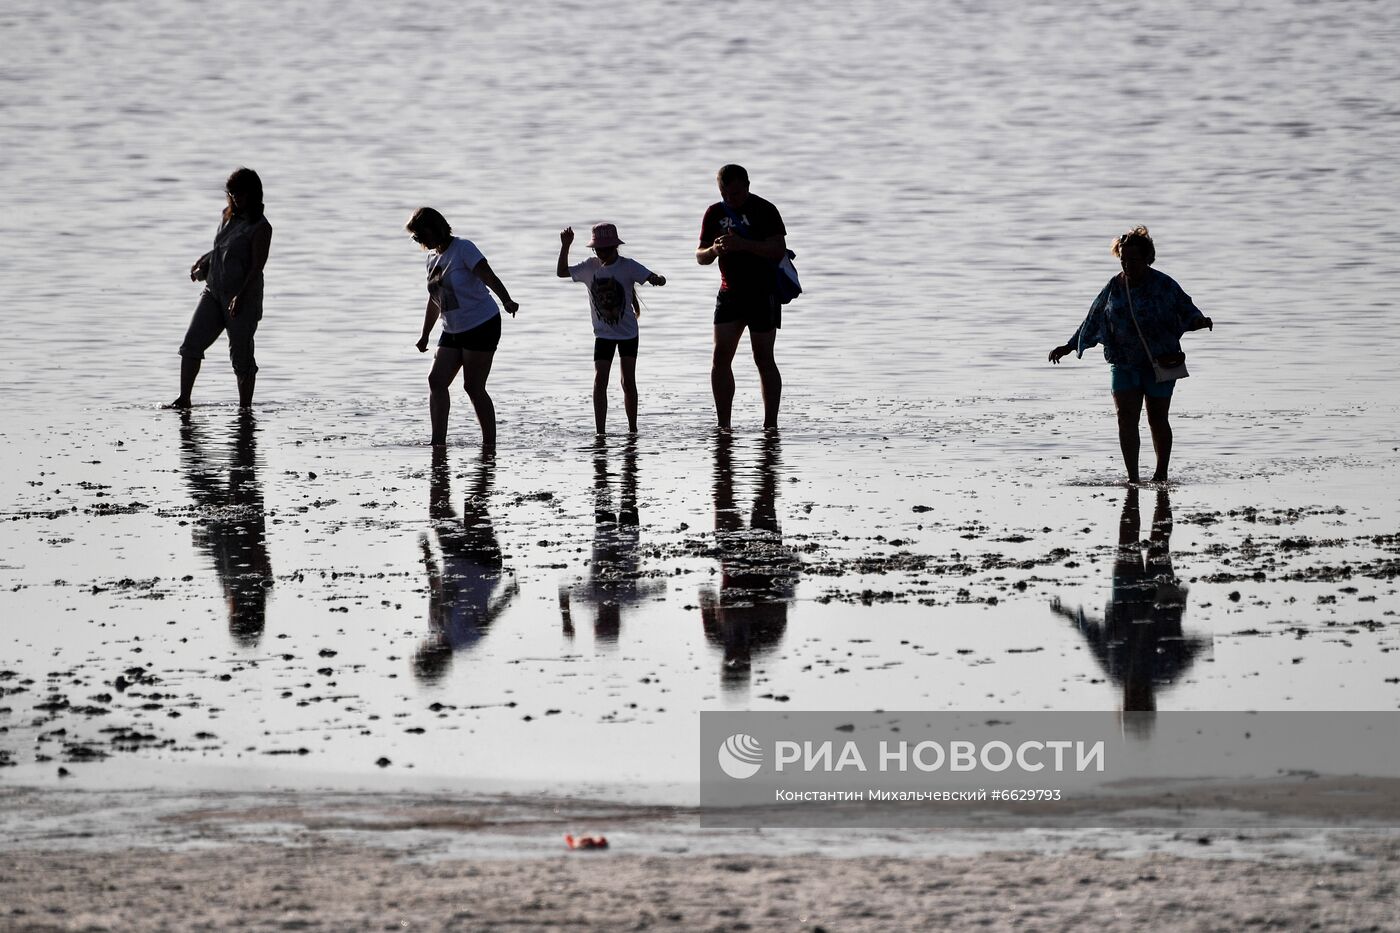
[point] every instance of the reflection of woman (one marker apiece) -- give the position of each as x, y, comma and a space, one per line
231, 527
1139, 642
1163, 313
466, 591
458, 279
748, 615
233, 293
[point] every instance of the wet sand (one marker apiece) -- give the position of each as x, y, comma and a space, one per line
381, 861
213, 605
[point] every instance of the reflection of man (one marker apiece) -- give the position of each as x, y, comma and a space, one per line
746, 234
466, 591
614, 572
758, 573
1139, 642
231, 527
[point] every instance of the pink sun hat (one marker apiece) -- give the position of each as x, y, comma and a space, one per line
604, 236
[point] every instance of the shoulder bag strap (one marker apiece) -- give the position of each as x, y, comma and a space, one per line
1127, 290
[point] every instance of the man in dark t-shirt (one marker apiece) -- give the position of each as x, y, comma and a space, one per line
746, 234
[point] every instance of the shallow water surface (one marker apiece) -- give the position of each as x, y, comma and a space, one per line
939, 524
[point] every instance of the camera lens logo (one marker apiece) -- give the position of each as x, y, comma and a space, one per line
741, 756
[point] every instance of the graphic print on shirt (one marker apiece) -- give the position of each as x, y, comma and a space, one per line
609, 297
439, 288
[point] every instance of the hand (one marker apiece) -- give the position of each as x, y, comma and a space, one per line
511, 307
657, 280
199, 271
566, 236
1060, 353
725, 244
1208, 324
422, 344
233, 306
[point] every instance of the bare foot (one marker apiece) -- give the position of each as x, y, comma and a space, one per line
178, 403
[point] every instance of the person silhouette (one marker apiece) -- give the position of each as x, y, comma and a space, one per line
614, 580
469, 586
747, 616
1139, 643
230, 525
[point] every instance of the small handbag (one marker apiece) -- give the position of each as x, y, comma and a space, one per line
1165, 366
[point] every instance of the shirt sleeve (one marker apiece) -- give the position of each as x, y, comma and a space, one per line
639, 272
776, 227
1090, 332
470, 255
580, 272
1186, 310
709, 227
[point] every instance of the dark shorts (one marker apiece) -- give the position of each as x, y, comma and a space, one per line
1139, 379
759, 310
211, 318
603, 348
484, 338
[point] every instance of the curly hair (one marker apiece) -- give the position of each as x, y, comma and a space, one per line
1137, 235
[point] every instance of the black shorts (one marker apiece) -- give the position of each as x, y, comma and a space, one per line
603, 348
483, 338
759, 310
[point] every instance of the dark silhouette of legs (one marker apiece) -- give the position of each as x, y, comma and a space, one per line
1129, 405
477, 366
722, 371
629, 391
601, 368
1157, 409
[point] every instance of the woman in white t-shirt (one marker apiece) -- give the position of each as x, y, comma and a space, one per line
612, 299
458, 279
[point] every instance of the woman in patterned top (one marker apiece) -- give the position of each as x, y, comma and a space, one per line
1164, 312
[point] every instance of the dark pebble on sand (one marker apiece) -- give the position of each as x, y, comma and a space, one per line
384, 762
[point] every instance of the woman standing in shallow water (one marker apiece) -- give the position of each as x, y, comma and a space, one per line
458, 279
233, 293
1163, 313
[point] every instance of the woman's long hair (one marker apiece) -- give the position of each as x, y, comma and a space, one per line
246, 184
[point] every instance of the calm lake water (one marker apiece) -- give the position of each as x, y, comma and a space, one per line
950, 175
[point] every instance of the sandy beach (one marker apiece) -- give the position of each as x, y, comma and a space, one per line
393, 861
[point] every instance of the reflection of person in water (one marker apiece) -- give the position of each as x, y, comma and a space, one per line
613, 574
1139, 642
467, 589
748, 616
231, 527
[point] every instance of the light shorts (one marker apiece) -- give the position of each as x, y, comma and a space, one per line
1139, 379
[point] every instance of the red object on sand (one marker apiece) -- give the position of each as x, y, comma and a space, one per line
586, 842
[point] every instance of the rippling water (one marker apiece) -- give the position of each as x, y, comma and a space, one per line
950, 175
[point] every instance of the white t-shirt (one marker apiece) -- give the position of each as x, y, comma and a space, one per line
462, 297
610, 294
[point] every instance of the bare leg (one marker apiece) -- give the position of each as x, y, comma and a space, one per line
722, 370
601, 368
629, 390
1129, 405
245, 390
189, 371
768, 374
1161, 429
445, 366
477, 368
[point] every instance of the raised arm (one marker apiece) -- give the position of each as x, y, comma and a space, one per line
484, 272
566, 237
